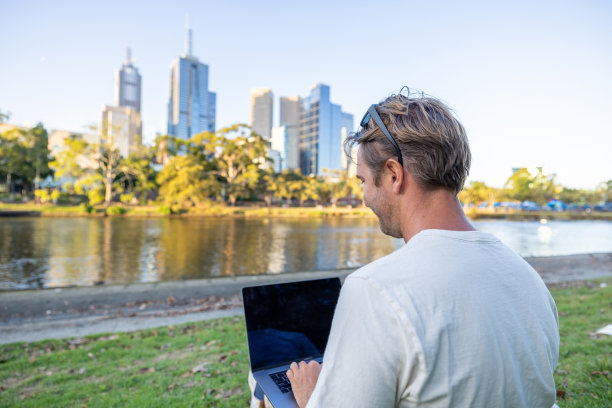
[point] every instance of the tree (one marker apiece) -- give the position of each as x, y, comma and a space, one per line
519, 185
71, 161
184, 181
140, 175
304, 189
164, 147
342, 186
12, 155
4, 116
37, 142
111, 167
475, 193
235, 154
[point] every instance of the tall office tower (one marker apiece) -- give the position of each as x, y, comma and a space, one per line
320, 140
192, 107
279, 148
128, 84
121, 128
261, 112
290, 107
121, 124
347, 128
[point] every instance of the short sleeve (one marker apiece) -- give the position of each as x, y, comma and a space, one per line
366, 358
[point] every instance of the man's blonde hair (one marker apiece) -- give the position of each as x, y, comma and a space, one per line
433, 143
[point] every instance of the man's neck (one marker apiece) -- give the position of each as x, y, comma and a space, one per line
437, 209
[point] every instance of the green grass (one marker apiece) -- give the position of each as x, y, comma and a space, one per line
152, 368
216, 210
584, 373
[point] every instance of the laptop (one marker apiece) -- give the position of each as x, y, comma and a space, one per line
287, 322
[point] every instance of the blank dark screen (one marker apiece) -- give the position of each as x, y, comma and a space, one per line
289, 321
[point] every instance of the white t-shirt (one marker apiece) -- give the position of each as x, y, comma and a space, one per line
451, 319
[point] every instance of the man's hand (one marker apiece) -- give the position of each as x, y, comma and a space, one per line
303, 378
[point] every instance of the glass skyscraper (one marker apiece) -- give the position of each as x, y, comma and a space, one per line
321, 128
128, 84
192, 107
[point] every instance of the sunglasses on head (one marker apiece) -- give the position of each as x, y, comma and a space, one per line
373, 113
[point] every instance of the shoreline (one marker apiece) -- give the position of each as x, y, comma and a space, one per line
52, 211
32, 315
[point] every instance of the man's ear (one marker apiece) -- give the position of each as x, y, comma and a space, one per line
396, 174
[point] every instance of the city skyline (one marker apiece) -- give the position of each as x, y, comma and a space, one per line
529, 90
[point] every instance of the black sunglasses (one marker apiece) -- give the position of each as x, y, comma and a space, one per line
373, 113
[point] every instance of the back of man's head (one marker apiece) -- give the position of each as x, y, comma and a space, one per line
433, 143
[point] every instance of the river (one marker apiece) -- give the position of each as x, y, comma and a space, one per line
55, 252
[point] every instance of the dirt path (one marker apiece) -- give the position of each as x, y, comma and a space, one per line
72, 312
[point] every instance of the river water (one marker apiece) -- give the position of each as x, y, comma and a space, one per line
55, 252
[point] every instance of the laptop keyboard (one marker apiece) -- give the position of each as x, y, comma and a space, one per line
281, 380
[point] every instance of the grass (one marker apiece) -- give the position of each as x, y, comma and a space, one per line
150, 368
205, 364
584, 372
214, 210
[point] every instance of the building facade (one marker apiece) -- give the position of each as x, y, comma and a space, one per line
121, 128
128, 83
320, 132
121, 125
192, 107
261, 112
290, 108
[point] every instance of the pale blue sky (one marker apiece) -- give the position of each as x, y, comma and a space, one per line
532, 83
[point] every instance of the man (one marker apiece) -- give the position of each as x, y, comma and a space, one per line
454, 318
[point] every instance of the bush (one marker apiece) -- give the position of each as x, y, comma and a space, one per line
115, 210
126, 198
86, 208
165, 210
95, 196
42, 195
55, 195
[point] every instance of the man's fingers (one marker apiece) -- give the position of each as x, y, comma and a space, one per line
290, 373
302, 364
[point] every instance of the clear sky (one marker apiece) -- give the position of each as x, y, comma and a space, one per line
531, 81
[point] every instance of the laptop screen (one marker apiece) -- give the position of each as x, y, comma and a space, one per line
289, 321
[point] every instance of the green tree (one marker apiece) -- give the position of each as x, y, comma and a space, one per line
140, 175
112, 170
183, 181
37, 142
268, 185
71, 161
4, 116
235, 154
475, 193
305, 189
12, 155
342, 186
519, 185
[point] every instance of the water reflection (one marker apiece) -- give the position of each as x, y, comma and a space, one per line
52, 252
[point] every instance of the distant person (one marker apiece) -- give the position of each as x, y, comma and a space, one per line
454, 318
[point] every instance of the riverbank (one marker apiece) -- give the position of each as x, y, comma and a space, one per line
33, 315
118, 210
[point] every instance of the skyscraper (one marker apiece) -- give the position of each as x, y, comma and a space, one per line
321, 124
192, 107
121, 124
121, 128
261, 112
290, 107
128, 84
